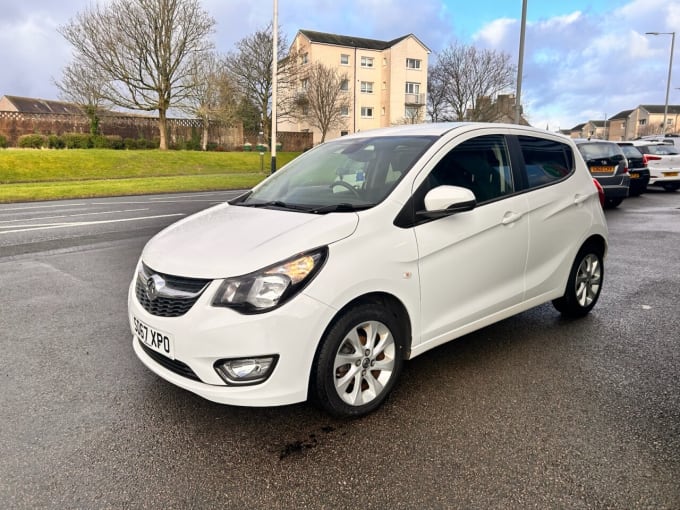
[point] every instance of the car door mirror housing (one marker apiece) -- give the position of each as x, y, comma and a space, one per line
446, 200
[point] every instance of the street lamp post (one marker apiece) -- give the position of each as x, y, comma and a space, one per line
670, 69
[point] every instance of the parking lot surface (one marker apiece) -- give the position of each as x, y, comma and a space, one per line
533, 412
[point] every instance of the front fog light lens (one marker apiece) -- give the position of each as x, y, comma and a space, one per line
244, 371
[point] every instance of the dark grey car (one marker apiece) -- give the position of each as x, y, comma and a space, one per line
609, 166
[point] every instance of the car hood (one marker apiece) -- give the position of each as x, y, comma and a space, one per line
228, 240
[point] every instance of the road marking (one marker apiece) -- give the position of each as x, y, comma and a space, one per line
73, 215
28, 228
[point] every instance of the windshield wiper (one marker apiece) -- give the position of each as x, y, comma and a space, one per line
273, 203
341, 207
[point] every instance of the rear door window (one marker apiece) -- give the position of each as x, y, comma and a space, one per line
545, 161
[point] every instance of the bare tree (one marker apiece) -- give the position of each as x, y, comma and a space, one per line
251, 69
84, 86
213, 98
438, 109
469, 78
144, 49
321, 100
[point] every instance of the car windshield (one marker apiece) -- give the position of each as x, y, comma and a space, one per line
343, 175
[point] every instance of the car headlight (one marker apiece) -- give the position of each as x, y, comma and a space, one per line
268, 288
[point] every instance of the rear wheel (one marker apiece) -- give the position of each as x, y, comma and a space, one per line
584, 284
358, 362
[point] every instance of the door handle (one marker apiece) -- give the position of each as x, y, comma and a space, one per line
510, 217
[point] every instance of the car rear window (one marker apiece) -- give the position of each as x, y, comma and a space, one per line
595, 150
662, 150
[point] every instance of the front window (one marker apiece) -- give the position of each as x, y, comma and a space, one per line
367, 87
412, 88
366, 61
342, 175
367, 111
412, 63
344, 60
344, 111
344, 85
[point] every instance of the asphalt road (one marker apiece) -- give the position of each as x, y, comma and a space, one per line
533, 412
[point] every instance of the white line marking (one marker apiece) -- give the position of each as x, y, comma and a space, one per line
72, 215
86, 223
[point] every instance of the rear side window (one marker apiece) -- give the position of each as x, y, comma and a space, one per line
546, 161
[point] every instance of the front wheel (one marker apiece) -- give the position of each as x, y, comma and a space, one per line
358, 362
584, 284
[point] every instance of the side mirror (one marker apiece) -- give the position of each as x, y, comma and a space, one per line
446, 200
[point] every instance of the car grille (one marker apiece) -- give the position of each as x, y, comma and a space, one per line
189, 290
173, 365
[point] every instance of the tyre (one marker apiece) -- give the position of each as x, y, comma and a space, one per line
612, 203
584, 284
358, 361
671, 186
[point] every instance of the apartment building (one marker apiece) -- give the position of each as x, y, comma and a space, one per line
386, 81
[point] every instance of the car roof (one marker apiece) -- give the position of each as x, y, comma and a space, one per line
441, 128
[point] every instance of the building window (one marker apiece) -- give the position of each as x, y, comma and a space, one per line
412, 63
344, 111
344, 133
411, 112
366, 61
304, 58
643, 122
344, 85
367, 112
412, 88
382, 111
367, 87
304, 84
344, 60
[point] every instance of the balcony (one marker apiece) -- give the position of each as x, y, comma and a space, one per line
415, 99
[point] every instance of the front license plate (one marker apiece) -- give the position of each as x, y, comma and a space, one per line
670, 174
156, 340
634, 175
601, 169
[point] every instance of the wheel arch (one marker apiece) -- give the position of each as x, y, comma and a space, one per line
387, 300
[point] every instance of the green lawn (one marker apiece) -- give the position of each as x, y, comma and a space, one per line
34, 174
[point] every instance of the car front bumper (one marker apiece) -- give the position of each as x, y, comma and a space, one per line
206, 334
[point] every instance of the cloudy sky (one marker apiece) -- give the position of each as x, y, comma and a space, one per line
584, 59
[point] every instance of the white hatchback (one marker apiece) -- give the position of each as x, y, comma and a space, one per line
361, 253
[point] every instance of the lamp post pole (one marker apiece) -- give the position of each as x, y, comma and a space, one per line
668, 82
520, 62
275, 71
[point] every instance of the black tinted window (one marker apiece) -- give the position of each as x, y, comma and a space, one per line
546, 161
481, 164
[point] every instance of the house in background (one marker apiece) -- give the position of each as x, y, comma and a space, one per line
33, 105
631, 124
386, 80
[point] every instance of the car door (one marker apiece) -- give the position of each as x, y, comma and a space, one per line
559, 212
471, 264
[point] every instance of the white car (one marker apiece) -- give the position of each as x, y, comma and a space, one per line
663, 161
361, 253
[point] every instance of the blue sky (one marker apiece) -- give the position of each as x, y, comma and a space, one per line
584, 59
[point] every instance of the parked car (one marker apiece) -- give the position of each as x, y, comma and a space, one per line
609, 166
637, 169
319, 284
671, 139
663, 161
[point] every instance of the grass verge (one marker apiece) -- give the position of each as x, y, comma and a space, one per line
32, 175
